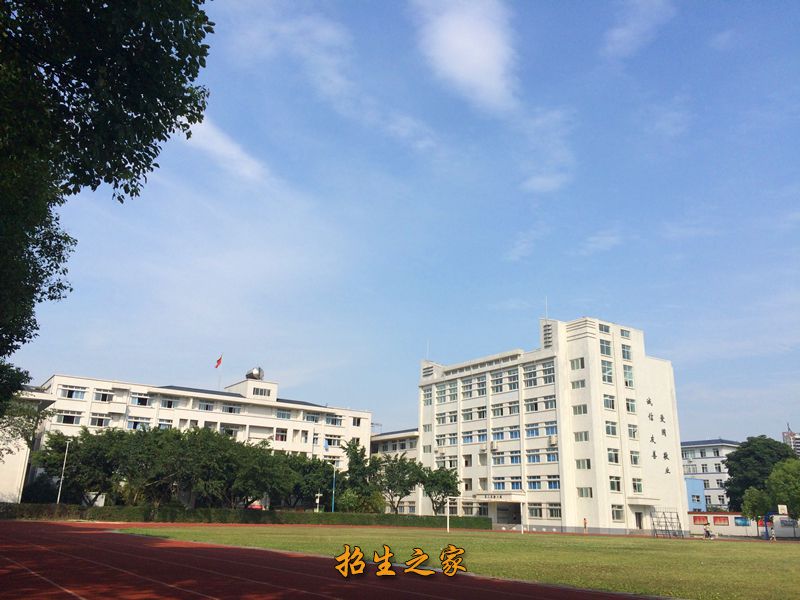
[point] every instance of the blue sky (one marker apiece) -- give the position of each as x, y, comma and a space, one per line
376, 179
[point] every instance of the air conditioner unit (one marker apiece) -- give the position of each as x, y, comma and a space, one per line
441, 451
552, 440
482, 449
493, 446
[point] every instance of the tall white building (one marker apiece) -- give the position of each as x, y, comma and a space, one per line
581, 433
705, 460
249, 410
792, 439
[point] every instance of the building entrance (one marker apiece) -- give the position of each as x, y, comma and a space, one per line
509, 513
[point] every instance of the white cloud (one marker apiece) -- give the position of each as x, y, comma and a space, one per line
323, 49
524, 244
469, 46
601, 241
228, 155
722, 40
545, 182
637, 26
668, 120
551, 158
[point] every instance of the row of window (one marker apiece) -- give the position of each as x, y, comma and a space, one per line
702, 452
691, 469
396, 445
534, 374
603, 328
534, 482
607, 372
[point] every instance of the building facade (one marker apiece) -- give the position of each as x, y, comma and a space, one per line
399, 443
695, 494
579, 435
249, 411
705, 460
792, 439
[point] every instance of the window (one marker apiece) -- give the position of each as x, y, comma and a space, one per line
704, 468
529, 375
548, 372
532, 430
634, 457
481, 382
531, 406
427, 428
516, 458
452, 439
513, 432
550, 428
468, 460
440, 394
605, 347
615, 483
513, 408
205, 406
617, 513
721, 500
613, 455
578, 384
233, 409
498, 434
99, 420
637, 486
136, 423
283, 414
604, 328
516, 482
719, 483
466, 415
534, 482
427, 396
281, 436
583, 464
552, 456
708, 500
553, 482
533, 456
168, 403
165, 424
466, 387
609, 402
626, 352
333, 420
633, 432
535, 509
72, 392
513, 379
481, 435
103, 396
554, 510
625, 333
466, 437
452, 416
260, 391
481, 413
703, 453
628, 375
497, 411
576, 364
426, 449
468, 484
314, 418
608, 371
499, 459
499, 483
580, 409
630, 405
440, 418
356, 421
584, 492
581, 436
695, 497
706, 483
497, 382
140, 400
718, 467
549, 402
611, 428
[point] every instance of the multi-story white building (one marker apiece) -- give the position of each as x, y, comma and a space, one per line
792, 439
581, 434
249, 410
400, 443
705, 460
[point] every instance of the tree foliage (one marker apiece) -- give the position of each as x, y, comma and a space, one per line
750, 465
397, 478
89, 91
756, 503
361, 479
21, 423
439, 484
783, 485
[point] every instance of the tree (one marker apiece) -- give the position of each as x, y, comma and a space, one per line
439, 484
310, 476
750, 465
22, 421
756, 503
397, 479
362, 477
89, 91
783, 486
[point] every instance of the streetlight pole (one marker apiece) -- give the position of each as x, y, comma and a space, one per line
63, 466
333, 496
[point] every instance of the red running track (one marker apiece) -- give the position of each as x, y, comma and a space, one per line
43, 560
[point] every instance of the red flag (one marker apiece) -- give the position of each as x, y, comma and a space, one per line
219, 362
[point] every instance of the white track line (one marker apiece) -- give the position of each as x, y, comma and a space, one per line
40, 576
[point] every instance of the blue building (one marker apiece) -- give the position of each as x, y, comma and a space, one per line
695, 491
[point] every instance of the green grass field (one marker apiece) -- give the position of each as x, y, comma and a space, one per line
695, 569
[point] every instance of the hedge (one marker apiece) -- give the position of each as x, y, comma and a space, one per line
174, 514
